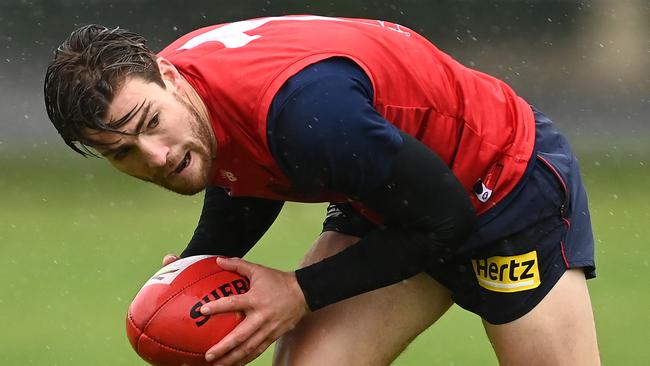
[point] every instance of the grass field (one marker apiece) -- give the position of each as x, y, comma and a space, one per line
78, 240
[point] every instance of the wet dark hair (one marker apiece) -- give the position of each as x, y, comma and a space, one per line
87, 70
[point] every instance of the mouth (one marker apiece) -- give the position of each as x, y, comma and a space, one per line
187, 159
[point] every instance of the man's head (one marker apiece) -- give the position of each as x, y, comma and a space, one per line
107, 91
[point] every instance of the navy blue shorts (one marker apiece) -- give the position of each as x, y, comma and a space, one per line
523, 245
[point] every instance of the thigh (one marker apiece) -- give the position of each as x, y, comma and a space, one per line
558, 331
369, 329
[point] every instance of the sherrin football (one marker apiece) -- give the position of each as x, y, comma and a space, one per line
164, 324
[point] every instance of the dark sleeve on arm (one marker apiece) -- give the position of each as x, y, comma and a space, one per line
230, 226
327, 135
426, 215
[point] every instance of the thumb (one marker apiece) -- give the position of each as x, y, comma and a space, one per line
235, 265
169, 258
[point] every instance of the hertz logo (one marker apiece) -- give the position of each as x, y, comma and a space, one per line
508, 274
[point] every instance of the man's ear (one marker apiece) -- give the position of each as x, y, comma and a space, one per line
170, 75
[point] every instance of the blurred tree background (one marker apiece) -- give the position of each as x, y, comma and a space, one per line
78, 239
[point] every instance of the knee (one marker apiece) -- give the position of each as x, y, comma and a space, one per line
327, 244
307, 346
282, 351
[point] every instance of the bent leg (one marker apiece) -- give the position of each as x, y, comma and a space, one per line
560, 330
369, 329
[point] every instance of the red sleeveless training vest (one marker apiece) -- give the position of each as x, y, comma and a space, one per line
474, 122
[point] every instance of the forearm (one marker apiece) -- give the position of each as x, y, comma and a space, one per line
231, 226
377, 260
426, 216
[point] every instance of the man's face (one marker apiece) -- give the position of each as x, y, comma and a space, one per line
168, 142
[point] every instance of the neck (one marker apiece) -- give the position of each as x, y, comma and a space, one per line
194, 99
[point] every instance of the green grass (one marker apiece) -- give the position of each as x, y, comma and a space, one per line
78, 240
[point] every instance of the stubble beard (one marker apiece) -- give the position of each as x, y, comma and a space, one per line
202, 148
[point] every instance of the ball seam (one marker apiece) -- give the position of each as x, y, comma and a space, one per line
170, 347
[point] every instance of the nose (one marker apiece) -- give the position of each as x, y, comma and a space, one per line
154, 150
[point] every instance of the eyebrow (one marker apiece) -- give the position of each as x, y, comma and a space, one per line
143, 117
138, 126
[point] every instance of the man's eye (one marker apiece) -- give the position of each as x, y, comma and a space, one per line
154, 122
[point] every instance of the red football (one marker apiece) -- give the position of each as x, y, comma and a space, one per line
164, 324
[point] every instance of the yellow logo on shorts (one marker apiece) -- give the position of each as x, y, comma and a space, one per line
508, 274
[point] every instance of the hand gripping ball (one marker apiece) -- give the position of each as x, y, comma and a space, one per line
164, 324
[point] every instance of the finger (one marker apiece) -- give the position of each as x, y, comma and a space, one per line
238, 265
226, 304
169, 258
242, 333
